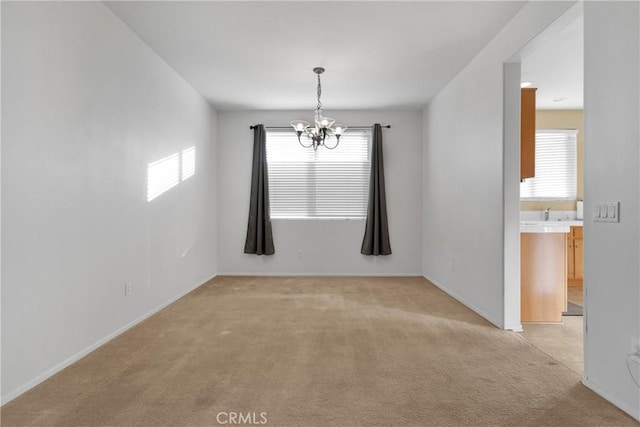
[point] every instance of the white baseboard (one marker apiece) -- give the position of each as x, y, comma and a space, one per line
516, 327
633, 412
60, 366
496, 322
307, 274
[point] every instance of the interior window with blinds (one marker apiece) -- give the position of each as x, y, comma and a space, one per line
556, 167
304, 183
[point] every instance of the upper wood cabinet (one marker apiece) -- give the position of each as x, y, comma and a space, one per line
528, 133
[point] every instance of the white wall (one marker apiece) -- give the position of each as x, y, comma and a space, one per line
329, 246
86, 106
0, 201
511, 197
612, 158
463, 176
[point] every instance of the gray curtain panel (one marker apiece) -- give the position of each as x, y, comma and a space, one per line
259, 236
376, 234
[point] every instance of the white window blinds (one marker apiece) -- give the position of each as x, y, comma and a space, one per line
556, 167
304, 183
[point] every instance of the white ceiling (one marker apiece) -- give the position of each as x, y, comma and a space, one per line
260, 55
556, 68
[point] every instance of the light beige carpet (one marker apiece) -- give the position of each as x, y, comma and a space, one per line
315, 352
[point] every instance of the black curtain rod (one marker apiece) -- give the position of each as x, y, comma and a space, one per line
349, 127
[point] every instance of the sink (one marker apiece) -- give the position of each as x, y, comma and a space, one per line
552, 222
545, 223
544, 226
532, 222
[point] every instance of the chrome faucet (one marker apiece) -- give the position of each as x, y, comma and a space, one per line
546, 214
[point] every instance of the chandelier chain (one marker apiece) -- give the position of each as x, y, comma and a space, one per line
319, 93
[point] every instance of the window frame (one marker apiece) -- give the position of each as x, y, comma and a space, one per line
571, 134
353, 165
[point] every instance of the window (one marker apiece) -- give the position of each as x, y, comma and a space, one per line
556, 170
304, 183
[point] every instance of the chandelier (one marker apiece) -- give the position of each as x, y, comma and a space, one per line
324, 127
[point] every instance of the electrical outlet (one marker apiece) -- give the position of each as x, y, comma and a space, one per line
128, 289
451, 266
299, 253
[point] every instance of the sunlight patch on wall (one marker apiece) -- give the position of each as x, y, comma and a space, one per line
162, 175
188, 162
166, 173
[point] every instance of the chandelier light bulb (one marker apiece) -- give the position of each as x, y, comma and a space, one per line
326, 122
339, 129
299, 125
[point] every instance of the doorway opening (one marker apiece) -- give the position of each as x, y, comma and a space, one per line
550, 210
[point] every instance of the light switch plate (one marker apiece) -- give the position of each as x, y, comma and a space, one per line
606, 212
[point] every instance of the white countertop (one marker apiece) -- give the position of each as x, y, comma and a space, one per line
550, 226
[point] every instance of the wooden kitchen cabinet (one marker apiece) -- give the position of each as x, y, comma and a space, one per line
575, 257
527, 132
543, 277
